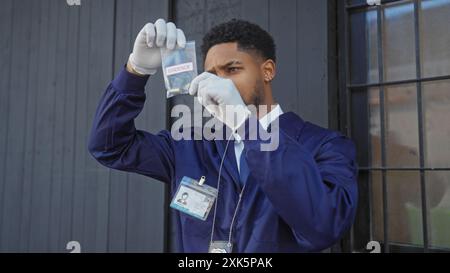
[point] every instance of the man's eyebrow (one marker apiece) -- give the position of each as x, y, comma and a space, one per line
232, 62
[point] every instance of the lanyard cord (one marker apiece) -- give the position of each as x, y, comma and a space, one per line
234, 215
218, 190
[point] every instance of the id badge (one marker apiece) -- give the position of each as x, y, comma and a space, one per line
194, 198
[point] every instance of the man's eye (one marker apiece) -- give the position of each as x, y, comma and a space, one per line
233, 69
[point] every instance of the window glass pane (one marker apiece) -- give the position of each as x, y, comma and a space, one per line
403, 203
435, 37
401, 126
404, 194
398, 41
438, 201
360, 125
377, 206
363, 47
375, 126
436, 107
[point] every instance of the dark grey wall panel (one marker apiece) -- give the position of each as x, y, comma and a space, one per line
56, 62
80, 172
312, 60
44, 120
15, 118
58, 127
146, 210
6, 19
30, 126
257, 11
58, 59
71, 110
283, 27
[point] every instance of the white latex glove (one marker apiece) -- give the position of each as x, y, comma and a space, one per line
221, 98
146, 56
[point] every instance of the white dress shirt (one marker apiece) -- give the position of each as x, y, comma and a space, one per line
265, 122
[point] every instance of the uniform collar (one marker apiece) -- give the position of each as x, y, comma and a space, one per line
265, 120
271, 116
289, 122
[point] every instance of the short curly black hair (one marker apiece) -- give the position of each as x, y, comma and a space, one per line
248, 36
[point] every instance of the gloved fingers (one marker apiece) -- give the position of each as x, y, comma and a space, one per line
207, 89
200, 100
181, 39
161, 32
201, 91
209, 100
193, 88
214, 110
171, 35
150, 34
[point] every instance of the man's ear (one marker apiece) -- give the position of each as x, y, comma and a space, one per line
268, 69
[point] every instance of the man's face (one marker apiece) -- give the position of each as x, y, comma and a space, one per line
244, 69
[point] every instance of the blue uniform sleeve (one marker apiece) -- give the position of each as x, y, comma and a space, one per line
316, 195
116, 143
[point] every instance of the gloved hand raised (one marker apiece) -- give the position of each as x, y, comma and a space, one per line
221, 98
146, 56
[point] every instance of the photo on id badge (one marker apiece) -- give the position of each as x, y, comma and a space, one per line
183, 200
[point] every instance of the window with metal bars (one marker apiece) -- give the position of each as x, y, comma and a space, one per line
394, 74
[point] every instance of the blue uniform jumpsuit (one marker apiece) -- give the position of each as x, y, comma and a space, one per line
301, 197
